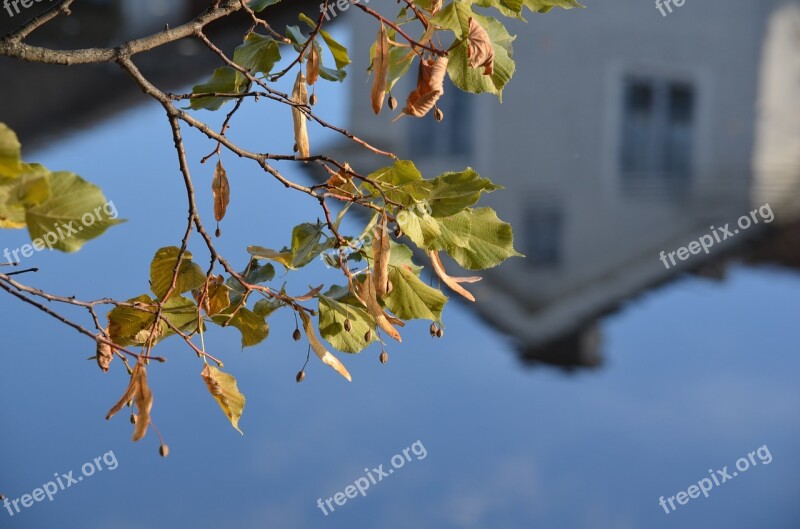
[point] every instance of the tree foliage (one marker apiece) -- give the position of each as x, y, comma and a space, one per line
411, 217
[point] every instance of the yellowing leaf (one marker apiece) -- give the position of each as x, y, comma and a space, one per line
222, 192
162, 271
223, 388
10, 152
380, 70
300, 97
430, 87
320, 350
452, 282
480, 49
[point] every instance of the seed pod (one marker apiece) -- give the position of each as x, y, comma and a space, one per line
163, 450
2, 498
347, 325
368, 336
439, 332
433, 329
301, 376
384, 357
392, 103
438, 115
296, 335
294, 149
218, 233
313, 99
398, 232
133, 418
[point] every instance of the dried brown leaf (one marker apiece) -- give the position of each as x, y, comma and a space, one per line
320, 350
381, 254
221, 190
430, 87
105, 354
452, 282
365, 292
312, 65
140, 393
300, 97
479, 48
380, 70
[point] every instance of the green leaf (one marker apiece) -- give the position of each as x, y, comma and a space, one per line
253, 328
258, 54
75, 212
490, 241
333, 312
472, 79
225, 391
400, 59
411, 298
260, 5
162, 270
265, 307
338, 51
419, 226
454, 192
306, 245
401, 182
283, 257
401, 255
224, 80
10, 153
543, 6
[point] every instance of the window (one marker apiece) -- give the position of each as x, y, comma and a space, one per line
450, 137
543, 235
657, 132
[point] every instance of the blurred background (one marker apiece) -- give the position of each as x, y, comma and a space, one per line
588, 380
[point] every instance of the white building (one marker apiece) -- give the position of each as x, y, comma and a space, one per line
623, 133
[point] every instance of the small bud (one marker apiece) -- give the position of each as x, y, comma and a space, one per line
218, 233
392, 103
301, 376
296, 335
347, 325
312, 100
368, 336
439, 332
163, 450
384, 357
133, 418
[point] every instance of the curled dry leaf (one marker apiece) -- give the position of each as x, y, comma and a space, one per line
342, 178
300, 97
312, 65
380, 70
320, 350
225, 391
365, 292
221, 190
452, 282
479, 48
105, 354
430, 87
381, 254
140, 393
